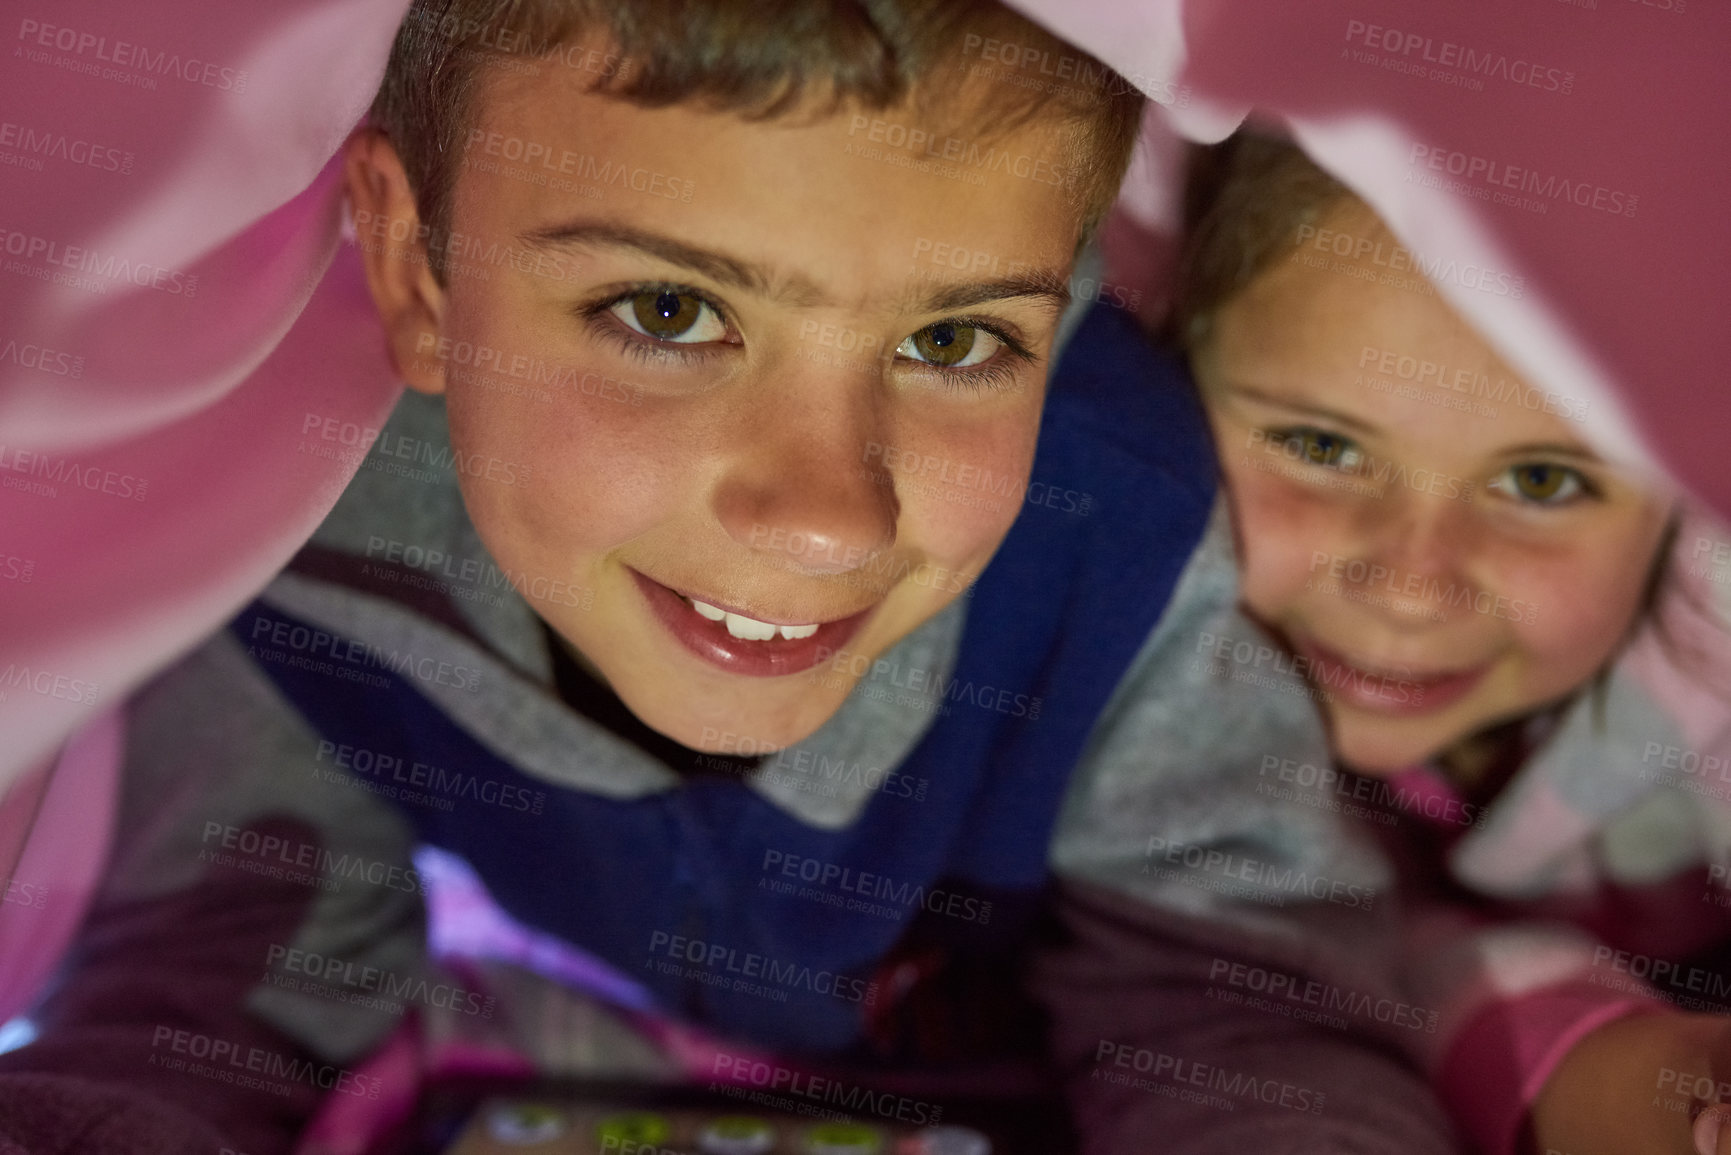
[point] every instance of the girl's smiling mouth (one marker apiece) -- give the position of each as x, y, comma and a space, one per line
1387, 690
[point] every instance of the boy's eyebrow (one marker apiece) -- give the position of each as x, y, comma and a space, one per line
1042, 286
1323, 411
718, 267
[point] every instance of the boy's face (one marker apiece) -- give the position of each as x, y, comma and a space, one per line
760, 366
1432, 533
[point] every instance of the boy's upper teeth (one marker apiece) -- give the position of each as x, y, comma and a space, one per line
750, 629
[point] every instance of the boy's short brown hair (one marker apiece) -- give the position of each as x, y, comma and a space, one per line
759, 58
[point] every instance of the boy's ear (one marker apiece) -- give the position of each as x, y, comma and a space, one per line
410, 300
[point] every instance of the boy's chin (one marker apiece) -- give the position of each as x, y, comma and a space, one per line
753, 720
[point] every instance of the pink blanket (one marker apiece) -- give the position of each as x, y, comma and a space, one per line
186, 350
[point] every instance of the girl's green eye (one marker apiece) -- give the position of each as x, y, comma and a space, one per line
950, 345
1317, 447
1541, 484
671, 315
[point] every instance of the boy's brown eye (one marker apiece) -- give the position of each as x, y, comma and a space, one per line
665, 313
944, 344
950, 345
1323, 449
671, 315
1317, 447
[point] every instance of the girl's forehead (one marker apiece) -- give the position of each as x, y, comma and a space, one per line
1398, 360
1341, 316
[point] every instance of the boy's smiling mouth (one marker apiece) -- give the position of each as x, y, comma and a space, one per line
749, 629
741, 644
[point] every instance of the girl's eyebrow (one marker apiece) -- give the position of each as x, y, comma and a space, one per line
1260, 396
1552, 449
1530, 449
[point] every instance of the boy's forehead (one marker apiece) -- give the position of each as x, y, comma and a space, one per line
818, 202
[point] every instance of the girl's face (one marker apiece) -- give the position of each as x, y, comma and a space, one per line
1429, 534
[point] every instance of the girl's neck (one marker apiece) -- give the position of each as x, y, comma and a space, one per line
1482, 764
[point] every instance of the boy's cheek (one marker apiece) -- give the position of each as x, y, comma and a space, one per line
585, 490
964, 550
961, 486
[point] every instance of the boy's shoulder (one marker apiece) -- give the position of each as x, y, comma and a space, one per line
1118, 389
400, 533
1123, 484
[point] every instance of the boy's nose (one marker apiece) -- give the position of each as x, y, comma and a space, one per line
800, 488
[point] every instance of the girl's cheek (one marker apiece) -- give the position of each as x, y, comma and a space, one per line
1585, 614
1282, 527
1575, 607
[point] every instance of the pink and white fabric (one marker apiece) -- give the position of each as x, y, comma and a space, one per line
181, 325
170, 319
